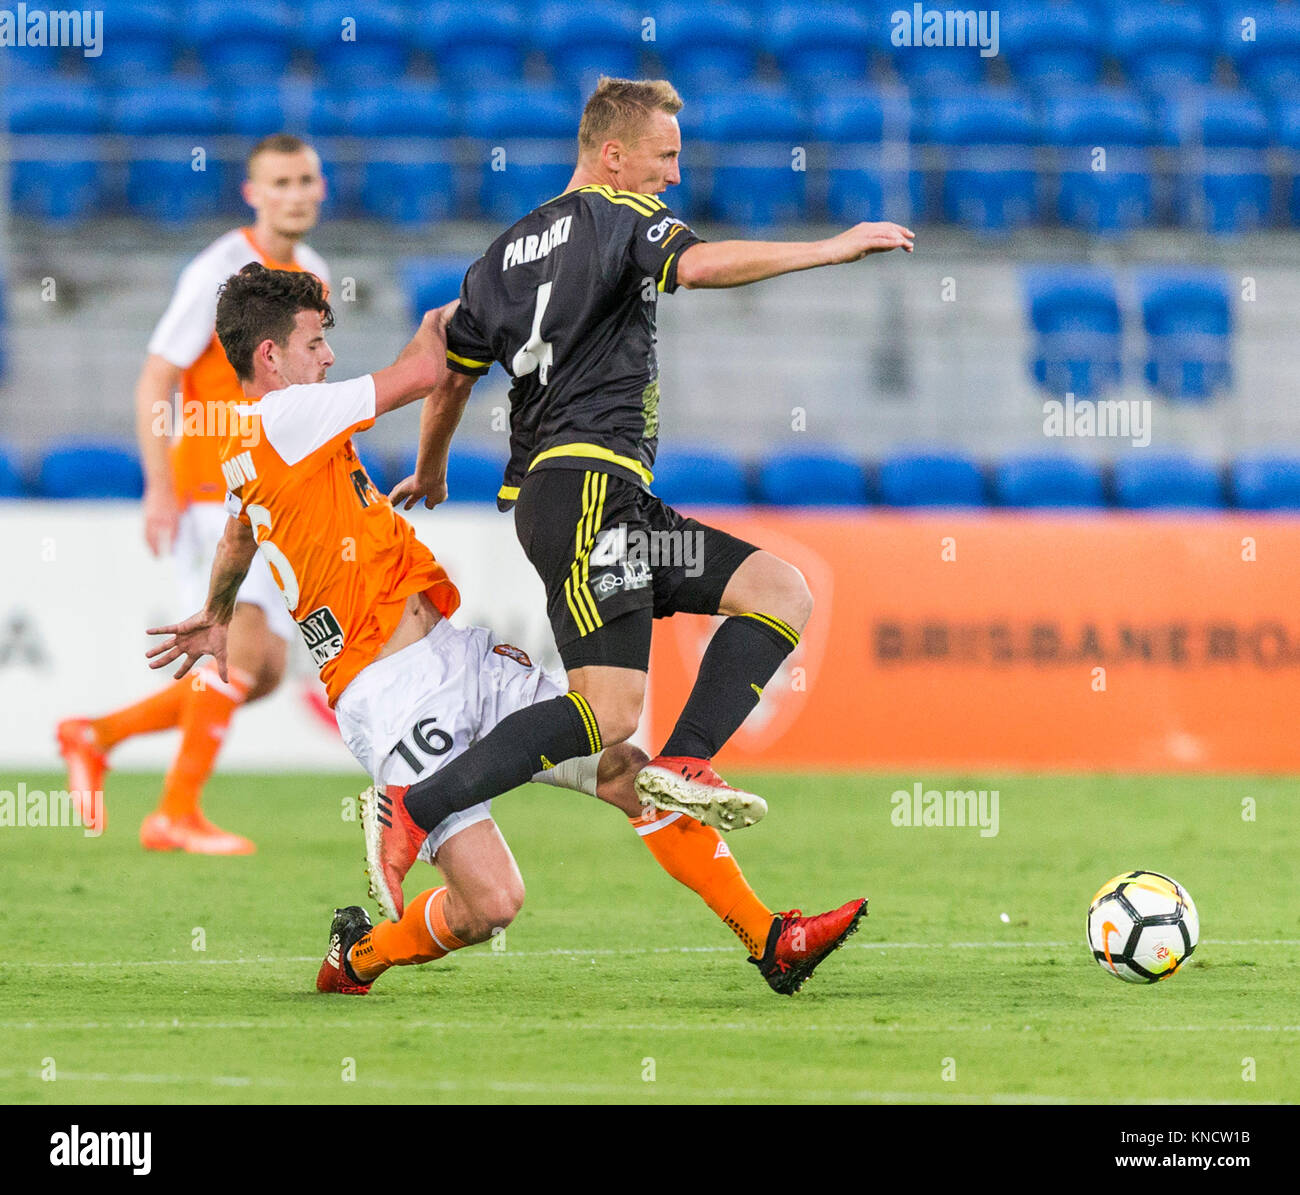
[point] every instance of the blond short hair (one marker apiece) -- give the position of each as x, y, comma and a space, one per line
619, 108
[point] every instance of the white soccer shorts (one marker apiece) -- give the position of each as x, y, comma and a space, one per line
406, 715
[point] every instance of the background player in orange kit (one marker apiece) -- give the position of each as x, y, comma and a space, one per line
182, 505
410, 690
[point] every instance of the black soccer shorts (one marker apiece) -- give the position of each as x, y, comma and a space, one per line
613, 557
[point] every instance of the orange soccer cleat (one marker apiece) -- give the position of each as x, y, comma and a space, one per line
393, 842
796, 944
692, 787
87, 764
193, 834
349, 926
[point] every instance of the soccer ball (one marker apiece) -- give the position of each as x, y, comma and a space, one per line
1142, 926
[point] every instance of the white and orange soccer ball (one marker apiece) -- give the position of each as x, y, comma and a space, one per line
1142, 926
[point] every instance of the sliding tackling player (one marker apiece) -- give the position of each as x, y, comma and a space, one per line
410, 690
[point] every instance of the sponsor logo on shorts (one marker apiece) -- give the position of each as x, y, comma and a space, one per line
322, 634
635, 574
515, 653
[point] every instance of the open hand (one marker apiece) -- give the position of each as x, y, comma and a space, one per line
198, 636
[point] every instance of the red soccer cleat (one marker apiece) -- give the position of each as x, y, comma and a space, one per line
393, 842
87, 764
349, 926
692, 787
797, 944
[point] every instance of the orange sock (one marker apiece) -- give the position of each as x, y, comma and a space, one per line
160, 711
421, 936
696, 855
206, 714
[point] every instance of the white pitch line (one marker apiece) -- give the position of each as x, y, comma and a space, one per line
597, 1026
576, 952
628, 1090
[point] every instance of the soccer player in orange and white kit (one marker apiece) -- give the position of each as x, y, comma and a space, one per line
410, 690
183, 515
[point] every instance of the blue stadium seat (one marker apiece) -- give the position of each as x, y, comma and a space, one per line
243, 44
82, 469
470, 44
817, 42
1163, 46
1266, 483
1269, 62
812, 479
329, 117
431, 282
161, 180
931, 479
1074, 312
869, 167
705, 47
61, 190
1224, 186
474, 476
409, 175
755, 135
533, 128
1119, 197
1188, 322
141, 41
1048, 481
11, 482
1051, 44
584, 41
991, 185
1143, 482
1286, 128
357, 44
683, 476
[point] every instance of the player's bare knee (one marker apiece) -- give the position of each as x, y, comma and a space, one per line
617, 720
496, 909
620, 761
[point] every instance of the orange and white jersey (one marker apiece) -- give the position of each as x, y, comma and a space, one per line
344, 559
187, 337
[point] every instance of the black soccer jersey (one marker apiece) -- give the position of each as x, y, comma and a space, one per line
565, 300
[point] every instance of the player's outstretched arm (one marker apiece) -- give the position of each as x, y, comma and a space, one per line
419, 367
204, 634
738, 263
153, 422
438, 422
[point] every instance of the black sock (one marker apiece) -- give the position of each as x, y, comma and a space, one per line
517, 748
742, 657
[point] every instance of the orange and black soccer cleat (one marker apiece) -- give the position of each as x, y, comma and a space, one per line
796, 944
692, 787
393, 842
193, 834
87, 764
349, 926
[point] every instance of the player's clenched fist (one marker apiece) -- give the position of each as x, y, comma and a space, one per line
856, 242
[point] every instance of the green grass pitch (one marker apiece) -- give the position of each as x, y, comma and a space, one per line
618, 985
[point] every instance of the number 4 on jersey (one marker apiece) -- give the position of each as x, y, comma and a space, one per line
537, 352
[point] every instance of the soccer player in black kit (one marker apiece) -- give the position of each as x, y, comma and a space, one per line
565, 301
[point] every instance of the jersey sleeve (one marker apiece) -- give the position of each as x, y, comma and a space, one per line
301, 420
188, 324
468, 351
657, 243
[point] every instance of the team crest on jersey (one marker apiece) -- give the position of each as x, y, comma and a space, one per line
515, 653
322, 634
